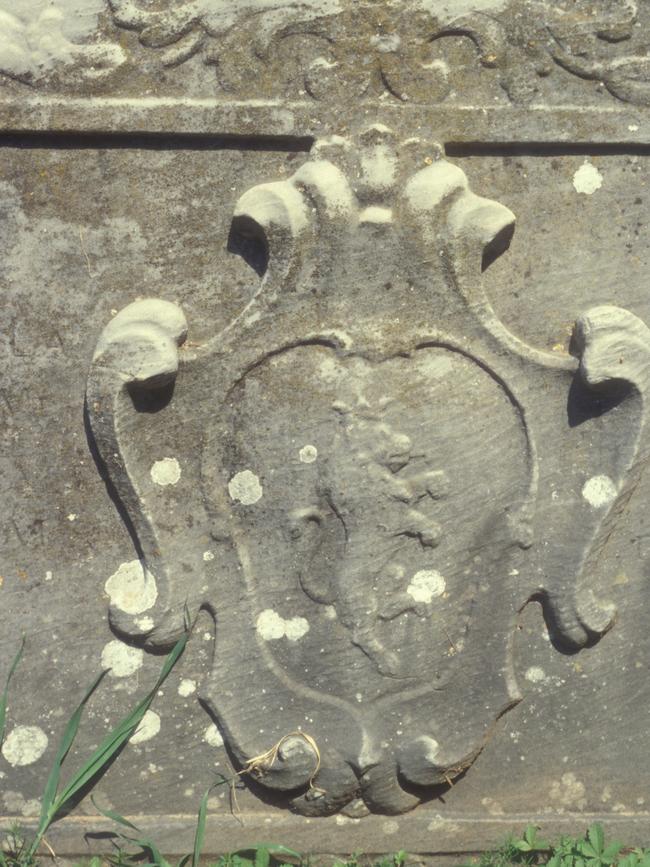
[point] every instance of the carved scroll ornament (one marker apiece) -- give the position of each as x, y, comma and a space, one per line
368, 48
373, 476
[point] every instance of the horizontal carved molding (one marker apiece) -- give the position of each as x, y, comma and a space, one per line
574, 125
423, 832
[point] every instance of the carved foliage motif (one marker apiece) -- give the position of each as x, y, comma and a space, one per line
326, 49
369, 48
369, 488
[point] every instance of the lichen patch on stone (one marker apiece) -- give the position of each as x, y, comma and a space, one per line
186, 687
599, 491
535, 674
569, 792
425, 585
212, 736
308, 454
245, 488
587, 179
166, 471
271, 626
121, 659
24, 745
148, 728
132, 588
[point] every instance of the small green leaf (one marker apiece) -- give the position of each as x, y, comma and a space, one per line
262, 857
596, 837
587, 849
611, 851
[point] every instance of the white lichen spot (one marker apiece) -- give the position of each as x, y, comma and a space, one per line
569, 792
308, 454
329, 612
148, 728
245, 487
599, 491
425, 585
535, 674
15, 803
493, 807
121, 659
48, 575
346, 820
166, 471
208, 556
212, 736
633, 127
271, 626
295, 628
587, 179
145, 624
186, 687
24, 745
72, 517
390, 826
132, 588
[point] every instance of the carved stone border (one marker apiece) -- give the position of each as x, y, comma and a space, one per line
620, 125
423, 832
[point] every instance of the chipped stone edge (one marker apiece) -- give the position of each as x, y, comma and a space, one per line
425, 831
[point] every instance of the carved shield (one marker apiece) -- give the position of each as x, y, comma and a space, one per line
362, 500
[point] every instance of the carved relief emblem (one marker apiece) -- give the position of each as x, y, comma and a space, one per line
362, 494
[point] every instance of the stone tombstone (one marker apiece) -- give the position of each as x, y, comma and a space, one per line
278, 368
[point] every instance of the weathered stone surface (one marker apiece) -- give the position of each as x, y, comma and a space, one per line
386, 455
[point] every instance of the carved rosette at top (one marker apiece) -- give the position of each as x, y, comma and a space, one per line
366, 497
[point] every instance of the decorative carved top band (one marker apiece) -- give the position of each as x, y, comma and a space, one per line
411, 51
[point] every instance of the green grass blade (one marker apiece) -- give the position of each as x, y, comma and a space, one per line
120, 734
147, 846
69, 734
111, 814
108, 748
200, 828
5, 693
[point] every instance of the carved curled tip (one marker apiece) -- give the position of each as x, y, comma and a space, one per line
578, 624
141, 342
275, 207
487, 221
433, 185
613, 344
